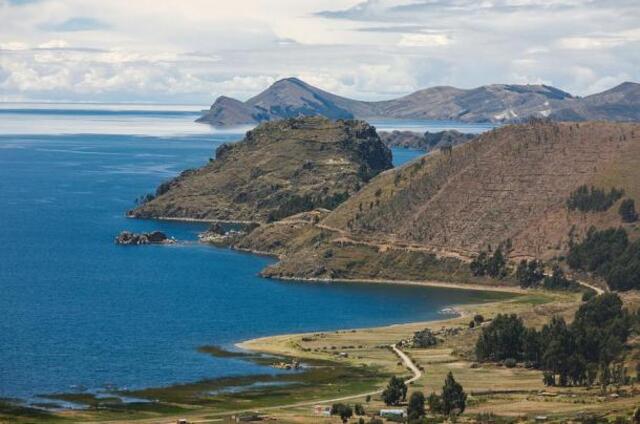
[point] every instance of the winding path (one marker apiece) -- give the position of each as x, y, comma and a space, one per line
417, 373
347, 239
597, 289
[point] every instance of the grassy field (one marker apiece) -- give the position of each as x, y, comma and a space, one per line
516, 393
357, 361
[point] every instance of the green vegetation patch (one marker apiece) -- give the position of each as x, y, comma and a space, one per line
20, 413
609, 254
320, 379
593, 199
579, 354
219, 352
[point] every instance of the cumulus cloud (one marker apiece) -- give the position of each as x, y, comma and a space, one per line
176, 51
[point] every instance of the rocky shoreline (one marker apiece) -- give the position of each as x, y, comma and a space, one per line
127, 238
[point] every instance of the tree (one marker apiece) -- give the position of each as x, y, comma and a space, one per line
549, 378
343, 410
532, 347
478, 265
529, 274
497, 265
454, 399
416, 410
557, 281
501, 339
435, 403
558, 348
395, 392
359, 409
494, 266
628, 211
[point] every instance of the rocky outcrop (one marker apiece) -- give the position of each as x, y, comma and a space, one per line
428, 141
496, 103
279, 169
127, 238
220, 235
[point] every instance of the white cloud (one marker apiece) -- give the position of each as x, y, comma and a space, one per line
423, 40
177, 51
13, 45
53, 44
587, 43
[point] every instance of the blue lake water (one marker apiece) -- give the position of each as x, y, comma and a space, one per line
79, 311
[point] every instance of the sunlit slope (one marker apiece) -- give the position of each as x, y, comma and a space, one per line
509, 184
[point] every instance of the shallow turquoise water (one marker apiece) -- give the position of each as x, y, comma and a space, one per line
81, 312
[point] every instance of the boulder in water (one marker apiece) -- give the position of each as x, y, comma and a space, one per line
127, 238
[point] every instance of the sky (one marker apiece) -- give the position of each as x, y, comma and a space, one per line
191, 51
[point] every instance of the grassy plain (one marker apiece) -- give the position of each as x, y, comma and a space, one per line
355, 362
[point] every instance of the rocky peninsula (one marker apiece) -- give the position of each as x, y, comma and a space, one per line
279, 169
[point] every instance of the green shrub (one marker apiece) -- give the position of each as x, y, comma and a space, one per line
627, 211
424, 339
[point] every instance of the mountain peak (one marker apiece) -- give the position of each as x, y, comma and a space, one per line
289, 81
627, 85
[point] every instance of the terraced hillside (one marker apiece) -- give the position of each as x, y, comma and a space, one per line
509, 184
279, 169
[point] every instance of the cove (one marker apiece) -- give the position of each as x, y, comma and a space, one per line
79, 312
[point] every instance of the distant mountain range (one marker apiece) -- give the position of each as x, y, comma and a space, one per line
497, 103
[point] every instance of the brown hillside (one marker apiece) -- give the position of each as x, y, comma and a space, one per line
279, 169
511, 183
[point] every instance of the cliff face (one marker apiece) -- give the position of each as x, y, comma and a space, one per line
497, 103
279, 169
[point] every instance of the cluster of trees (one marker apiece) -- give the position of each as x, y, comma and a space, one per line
424, 338
345, 411
558, 281
609, 254
592, 199
530, 273
627, 211
450, 402
493, 265
577, 354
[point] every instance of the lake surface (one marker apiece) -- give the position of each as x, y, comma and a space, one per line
80, 312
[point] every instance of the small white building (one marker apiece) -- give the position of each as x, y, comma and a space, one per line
393, 413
